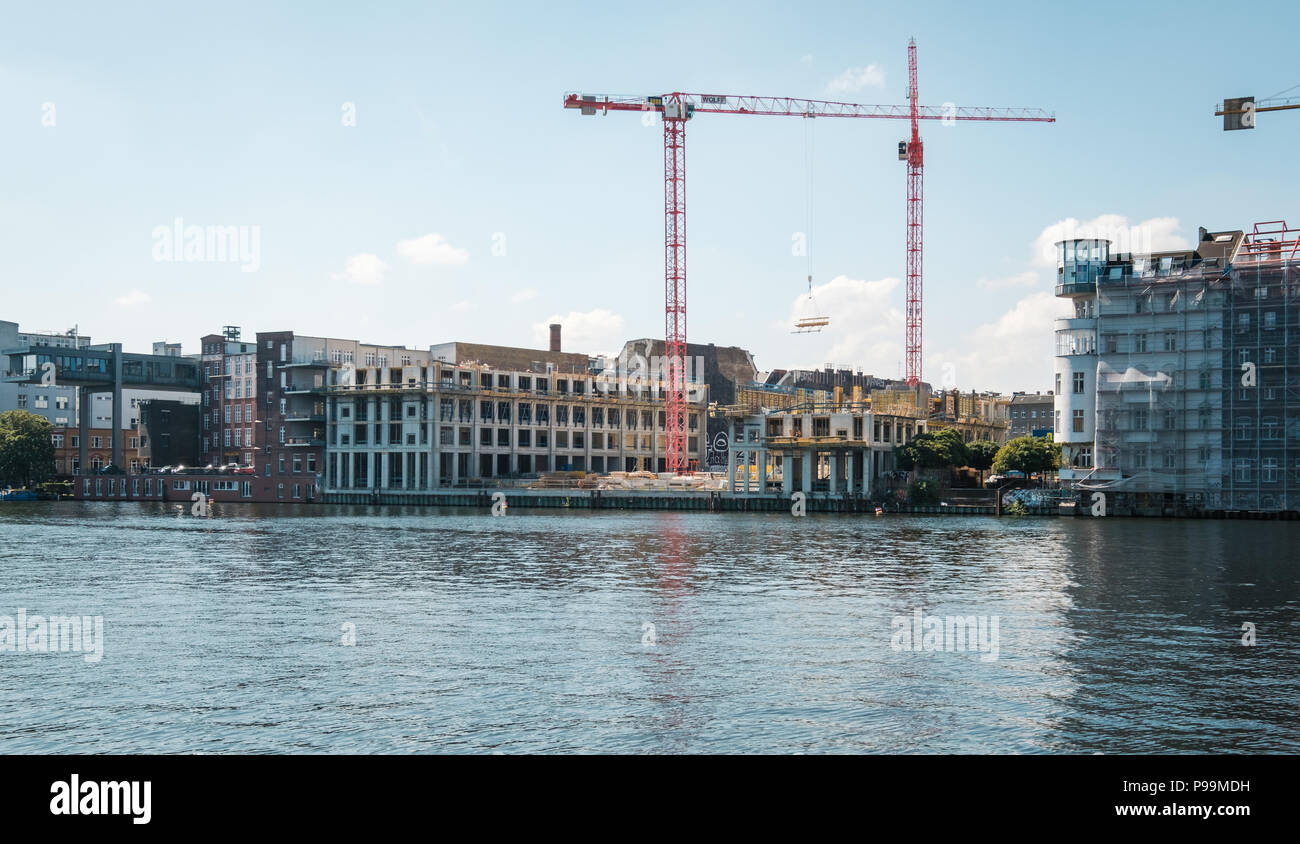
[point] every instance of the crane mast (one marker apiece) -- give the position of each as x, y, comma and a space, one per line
915, 237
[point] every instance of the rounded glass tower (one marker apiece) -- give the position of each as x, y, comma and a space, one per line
1079, 265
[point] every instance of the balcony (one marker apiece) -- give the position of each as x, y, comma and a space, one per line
1076, 288
1075, 341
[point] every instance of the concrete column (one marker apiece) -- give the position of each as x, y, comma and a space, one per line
83, 429
808, 457
787, 473
762, 471
849, 458
835, 471
731, 468
384, 458
115, 435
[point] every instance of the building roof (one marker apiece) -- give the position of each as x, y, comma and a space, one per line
510, 357
1033, 398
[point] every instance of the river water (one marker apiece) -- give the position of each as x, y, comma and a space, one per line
545, 631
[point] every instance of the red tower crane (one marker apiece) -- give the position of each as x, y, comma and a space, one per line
677, 108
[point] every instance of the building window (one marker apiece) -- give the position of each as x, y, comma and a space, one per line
1171, 341
1139, 342
1078, 383
1078, 421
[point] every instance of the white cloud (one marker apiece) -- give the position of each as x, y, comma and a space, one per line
1157, 234
432, 248
592, 332
857, 78
133, 297
528, 294
806, 58
366, 268
1028, 278
1012, 352
865, 329
463, 306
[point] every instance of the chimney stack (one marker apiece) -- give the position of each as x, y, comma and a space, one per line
555, 337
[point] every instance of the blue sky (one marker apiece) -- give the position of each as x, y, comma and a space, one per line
233, 116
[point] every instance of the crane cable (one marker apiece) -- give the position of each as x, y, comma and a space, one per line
1283, 91
808, 141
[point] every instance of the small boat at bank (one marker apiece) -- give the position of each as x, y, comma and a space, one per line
17, 495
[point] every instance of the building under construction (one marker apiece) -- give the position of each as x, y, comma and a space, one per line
1178, 374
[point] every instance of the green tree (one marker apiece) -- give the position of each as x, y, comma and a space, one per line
982, 453
26, 450
1028, 455
933, 450
956, 452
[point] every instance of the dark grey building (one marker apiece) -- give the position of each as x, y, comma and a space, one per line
169, 432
